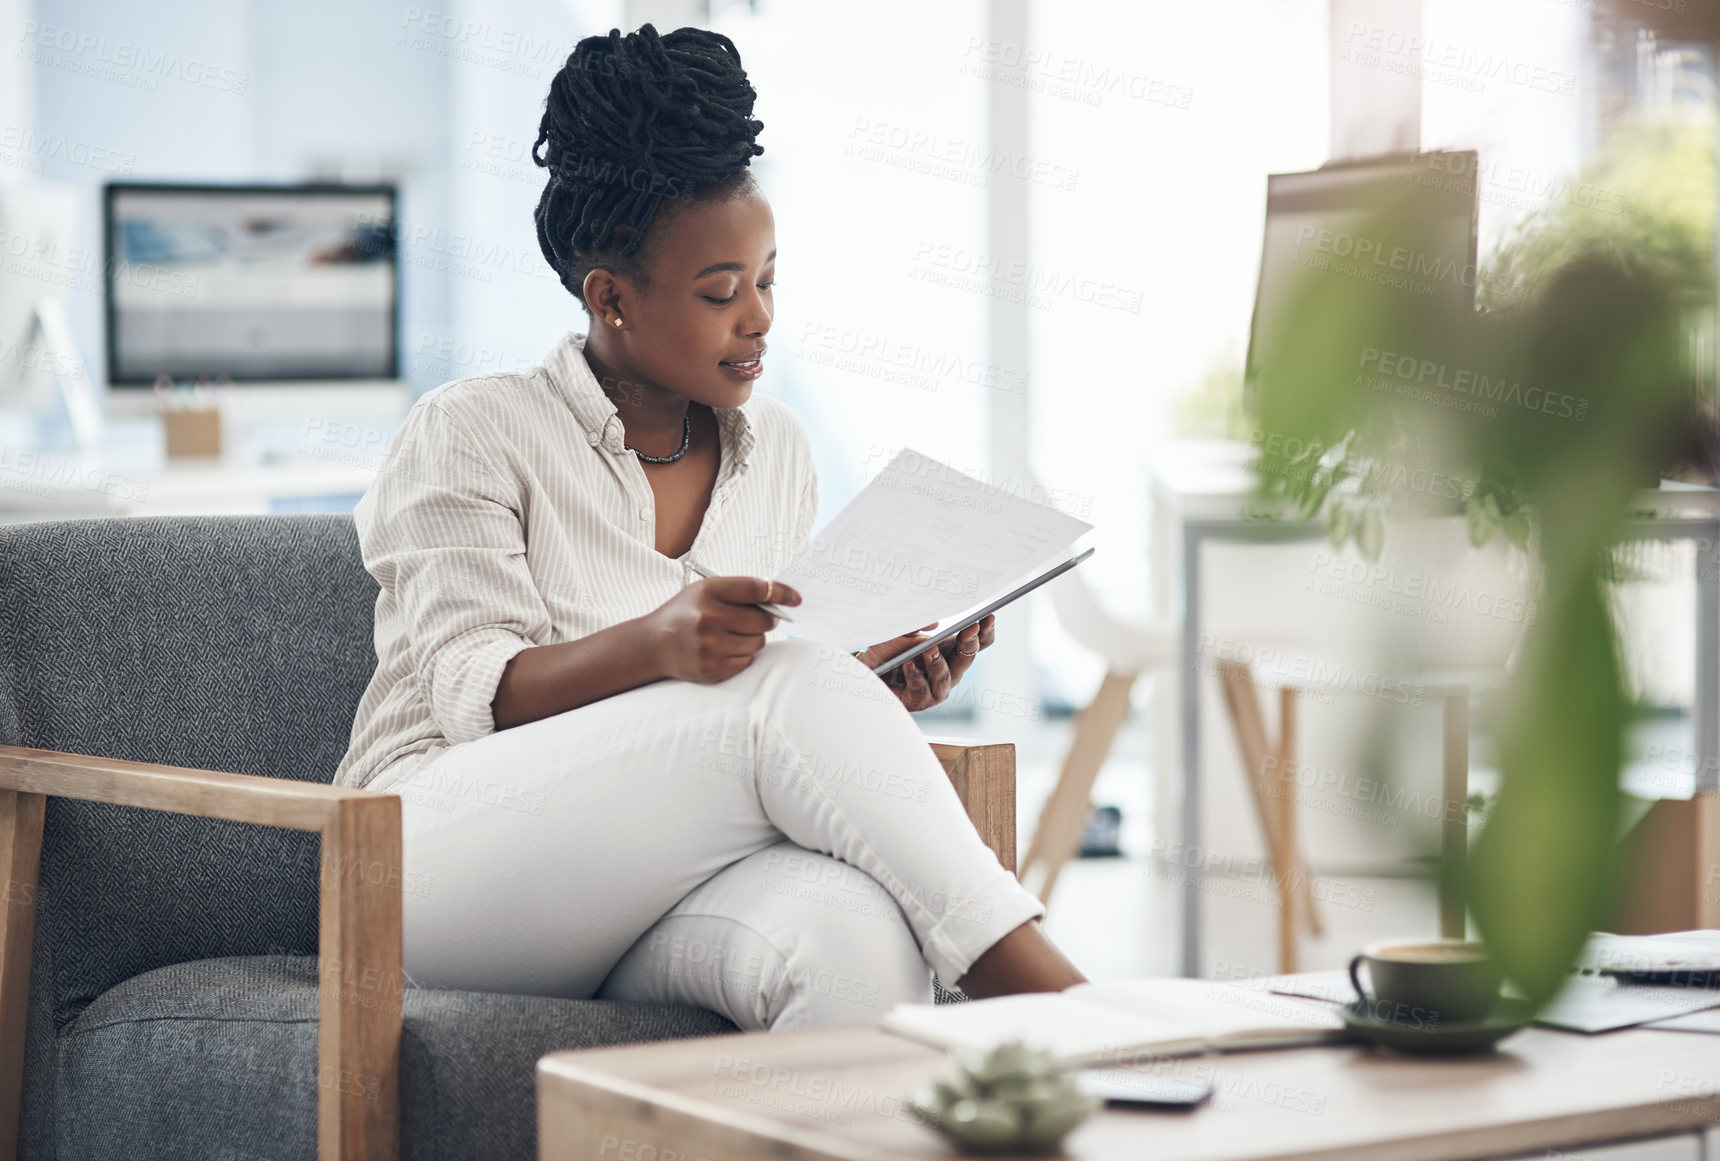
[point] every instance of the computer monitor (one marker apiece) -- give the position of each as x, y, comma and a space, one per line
1406, 225
258, 284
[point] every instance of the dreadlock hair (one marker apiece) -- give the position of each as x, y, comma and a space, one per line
633, 124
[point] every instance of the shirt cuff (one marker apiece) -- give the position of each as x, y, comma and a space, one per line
464, 695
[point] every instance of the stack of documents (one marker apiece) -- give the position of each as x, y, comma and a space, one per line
922, 542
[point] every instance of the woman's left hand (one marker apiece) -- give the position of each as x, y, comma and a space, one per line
927, 679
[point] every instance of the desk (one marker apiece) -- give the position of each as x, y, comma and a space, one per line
838, 1094
1200, 494
54, 485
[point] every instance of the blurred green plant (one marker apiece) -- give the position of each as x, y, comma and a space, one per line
1553, 413
1647, 204
1647, 201
1216, 409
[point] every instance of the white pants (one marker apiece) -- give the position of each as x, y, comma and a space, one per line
781, 847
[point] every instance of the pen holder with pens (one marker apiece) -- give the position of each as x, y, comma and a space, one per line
189, 418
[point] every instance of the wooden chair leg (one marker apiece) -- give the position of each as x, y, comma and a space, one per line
21, 818
1669, 869
1249, 724
1057, 833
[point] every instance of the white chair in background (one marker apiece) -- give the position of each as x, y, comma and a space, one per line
1130, 647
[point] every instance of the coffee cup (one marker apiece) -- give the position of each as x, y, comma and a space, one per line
1424, 983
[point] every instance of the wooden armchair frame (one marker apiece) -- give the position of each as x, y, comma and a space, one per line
359, 948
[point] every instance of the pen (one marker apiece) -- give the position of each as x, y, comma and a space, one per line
765, 605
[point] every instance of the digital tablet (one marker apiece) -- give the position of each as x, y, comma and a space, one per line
943, 635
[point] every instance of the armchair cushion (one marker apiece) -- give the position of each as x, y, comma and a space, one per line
223, 643
218, 1059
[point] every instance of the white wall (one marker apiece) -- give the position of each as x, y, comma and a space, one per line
250, 91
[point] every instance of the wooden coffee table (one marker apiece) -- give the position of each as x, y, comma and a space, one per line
840, 1094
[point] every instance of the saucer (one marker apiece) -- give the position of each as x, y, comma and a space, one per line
1449, 1039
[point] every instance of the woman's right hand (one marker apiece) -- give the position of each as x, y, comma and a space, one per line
709, 631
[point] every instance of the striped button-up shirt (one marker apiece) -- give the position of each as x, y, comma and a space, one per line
508, 514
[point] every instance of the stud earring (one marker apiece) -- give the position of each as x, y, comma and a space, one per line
617, 320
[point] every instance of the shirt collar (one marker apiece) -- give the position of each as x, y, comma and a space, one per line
596, 412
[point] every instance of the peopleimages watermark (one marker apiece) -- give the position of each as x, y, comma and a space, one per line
1253, 880
122, 61
993, 699
774, 761
1391, 265
866, 571
1290, 458
1687, 764
40, 359
442, 789
45, 474
911, 364
451, 252
478, 42
996, 276
1318, 676
1412, 377
1065, 500
82, 268
1447, 62
1049, 74
689, 956
616, 1148
1322, 784
932, 153
24, 148
832, 883
1694, 1094
1403, 590
511, 158
453, 358
1514, 187
502, 155
806, 1094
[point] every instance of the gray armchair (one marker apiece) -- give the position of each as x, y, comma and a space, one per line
203, 964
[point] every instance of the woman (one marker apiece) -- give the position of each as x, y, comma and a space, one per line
620, 779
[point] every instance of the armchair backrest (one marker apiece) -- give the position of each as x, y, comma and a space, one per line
228, 643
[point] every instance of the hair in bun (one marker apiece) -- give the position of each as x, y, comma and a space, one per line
630, 123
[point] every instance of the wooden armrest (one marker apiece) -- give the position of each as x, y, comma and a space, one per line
359, 943
1669, 868
984, 778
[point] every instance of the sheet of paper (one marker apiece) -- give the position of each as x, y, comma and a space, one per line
922, 542
1670, 952
1071, 1031
1216, 1009
1708, 1022
1600, 1004
1586, 1003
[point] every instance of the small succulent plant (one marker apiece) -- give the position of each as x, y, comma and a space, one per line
1013, 1099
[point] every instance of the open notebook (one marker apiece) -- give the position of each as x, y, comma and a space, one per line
1122, 1019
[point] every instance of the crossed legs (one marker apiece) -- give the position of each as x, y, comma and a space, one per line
790, 818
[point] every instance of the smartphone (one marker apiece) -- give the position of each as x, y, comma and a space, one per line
1120, 1086
950, 631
